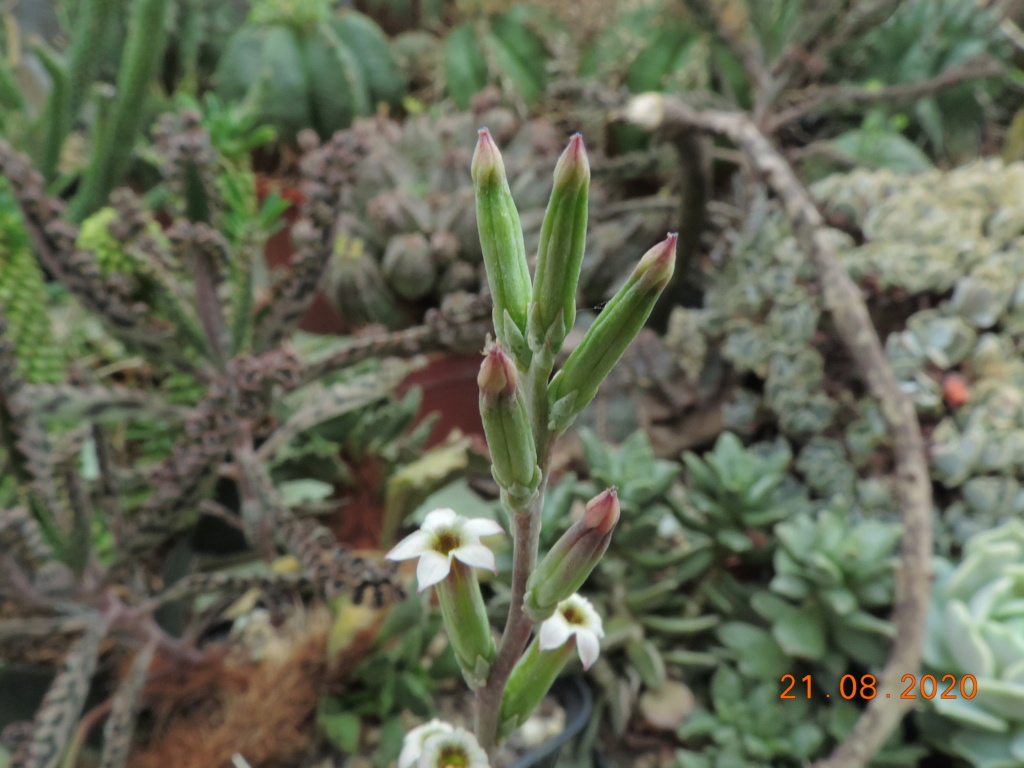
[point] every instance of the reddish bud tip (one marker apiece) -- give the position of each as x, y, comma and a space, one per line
498, 375
486, 158
656, 266
602, 511
573, 165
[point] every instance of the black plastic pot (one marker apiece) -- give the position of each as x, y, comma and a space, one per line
574, 696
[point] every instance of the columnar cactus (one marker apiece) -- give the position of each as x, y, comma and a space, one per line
302, 66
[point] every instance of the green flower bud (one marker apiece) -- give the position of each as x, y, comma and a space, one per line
507, 428
604, 342
501, 239
465, 618
571, 560
563, 236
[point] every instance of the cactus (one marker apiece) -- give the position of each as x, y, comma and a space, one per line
414, 182
303, 66
502, 48
410, 212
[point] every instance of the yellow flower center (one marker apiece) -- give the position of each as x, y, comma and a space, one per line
574, 615
446, 541
452, 756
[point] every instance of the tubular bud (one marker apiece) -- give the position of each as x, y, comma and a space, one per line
575, 385
563, 236
531, 679
465, 618
501, 238
507, 428
571, 560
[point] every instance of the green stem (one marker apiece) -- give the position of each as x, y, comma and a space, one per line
525, 542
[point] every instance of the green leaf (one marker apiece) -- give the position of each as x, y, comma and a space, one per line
882, 150
758, 654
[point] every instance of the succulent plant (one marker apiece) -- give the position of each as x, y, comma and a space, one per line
407, 236
301, 65
932, 247
732, 492
830, 573
503, 48
222, 398
975, 634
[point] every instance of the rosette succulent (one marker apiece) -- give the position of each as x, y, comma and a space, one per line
976, 630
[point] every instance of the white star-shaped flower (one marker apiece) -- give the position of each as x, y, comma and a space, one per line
455, 749
412, 744
445, 535
574, 616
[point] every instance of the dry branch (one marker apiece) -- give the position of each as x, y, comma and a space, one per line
844, 302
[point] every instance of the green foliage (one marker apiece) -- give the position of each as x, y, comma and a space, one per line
713, 590
976, 627
505, 48
921, 40
113, 471
401, 674
407, 235
299, 65
23, 299
732, 491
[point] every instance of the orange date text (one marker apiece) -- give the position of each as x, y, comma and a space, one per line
866, 687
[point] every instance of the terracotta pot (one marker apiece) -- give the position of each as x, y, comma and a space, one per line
279, 252
449, 387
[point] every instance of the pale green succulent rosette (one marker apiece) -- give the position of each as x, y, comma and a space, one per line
976, 627
604, 342
563, 236
504, 250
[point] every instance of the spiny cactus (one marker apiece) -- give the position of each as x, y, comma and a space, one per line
301, 65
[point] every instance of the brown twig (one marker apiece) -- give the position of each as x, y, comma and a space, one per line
839, 97
844, 302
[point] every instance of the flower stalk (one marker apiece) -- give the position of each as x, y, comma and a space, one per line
523, 411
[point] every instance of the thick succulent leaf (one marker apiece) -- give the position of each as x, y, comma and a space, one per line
965, 642
320, 404
63, 403
124, 710
63, 702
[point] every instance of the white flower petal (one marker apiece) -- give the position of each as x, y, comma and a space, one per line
439, 518
412, 744
588, 646
476, 555
432, 568
554, 632
413, 545
460, 742
481, 526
